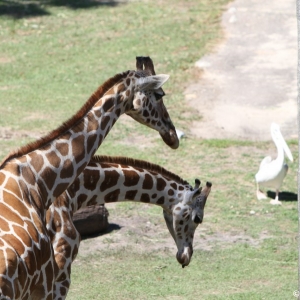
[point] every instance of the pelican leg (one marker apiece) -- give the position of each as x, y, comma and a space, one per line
276, 200
259, 194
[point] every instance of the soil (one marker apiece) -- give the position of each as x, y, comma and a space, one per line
7, 133
249, 81
144, 233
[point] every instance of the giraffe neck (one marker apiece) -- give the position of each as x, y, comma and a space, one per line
107, 180
51, 164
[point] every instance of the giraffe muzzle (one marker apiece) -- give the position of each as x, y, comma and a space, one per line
170, 138
184, 257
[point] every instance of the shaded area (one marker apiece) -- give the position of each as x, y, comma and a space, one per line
18, 9
283, 196
22, 9
112, 227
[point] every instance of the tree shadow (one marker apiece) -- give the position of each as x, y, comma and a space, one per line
18, 9
111, 227
74, 4
283, 196
22, 9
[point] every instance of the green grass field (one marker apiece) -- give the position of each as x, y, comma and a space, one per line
54, 54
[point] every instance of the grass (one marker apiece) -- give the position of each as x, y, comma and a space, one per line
261, 263
54, 54
212, 275
93, 45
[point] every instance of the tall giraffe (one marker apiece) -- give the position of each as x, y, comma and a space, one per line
32, 177
114, 179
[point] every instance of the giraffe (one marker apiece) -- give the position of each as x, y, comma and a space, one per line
113, 179
32, 177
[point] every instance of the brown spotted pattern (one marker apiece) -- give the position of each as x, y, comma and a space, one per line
112, 179
32, 177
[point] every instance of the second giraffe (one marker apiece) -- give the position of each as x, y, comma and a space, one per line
112, 179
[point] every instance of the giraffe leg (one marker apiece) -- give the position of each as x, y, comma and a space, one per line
259, 194
276, 200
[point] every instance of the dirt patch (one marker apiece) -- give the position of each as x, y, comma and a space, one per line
250, 79
7, 133
140, 233
5, 60
145, 233
139, 141
226, 239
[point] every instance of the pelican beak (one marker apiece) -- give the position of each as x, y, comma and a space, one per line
287, 150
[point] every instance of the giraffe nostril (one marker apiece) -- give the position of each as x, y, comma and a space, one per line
197, 220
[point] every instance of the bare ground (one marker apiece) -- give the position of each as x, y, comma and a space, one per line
7, 133
145, 233
250, 80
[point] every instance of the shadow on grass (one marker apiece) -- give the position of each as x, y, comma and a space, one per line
19, 9
112, 227
22, 9
283, 196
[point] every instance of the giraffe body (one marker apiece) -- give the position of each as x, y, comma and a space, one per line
112, 179
32, 177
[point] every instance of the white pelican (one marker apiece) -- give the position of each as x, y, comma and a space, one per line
272, 172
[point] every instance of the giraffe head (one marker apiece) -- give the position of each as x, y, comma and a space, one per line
185, 218
147, 105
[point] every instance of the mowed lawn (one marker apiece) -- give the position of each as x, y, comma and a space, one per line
54, 54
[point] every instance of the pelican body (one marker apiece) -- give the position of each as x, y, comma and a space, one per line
272, 171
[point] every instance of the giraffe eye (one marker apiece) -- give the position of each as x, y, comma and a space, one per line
159, 95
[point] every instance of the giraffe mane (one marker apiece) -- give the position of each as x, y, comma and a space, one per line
43, 141
137, 163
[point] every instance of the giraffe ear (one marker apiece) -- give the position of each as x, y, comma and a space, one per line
152, 82
192, 195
